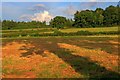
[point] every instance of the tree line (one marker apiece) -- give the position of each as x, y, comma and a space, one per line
82, 19
89, 18
10, 24
98, 18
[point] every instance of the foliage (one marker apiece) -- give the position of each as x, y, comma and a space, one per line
99, 17
58, 22
111, 16
10, 24
59, 33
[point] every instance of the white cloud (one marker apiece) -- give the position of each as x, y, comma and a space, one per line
38, 7
45, 16
93, 0
42, 16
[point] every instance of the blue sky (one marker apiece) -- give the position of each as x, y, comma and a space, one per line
59, 0
44, 11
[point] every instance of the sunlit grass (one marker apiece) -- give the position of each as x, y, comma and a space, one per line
60, 63
101, 29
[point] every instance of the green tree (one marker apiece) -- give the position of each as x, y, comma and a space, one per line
58, 22
9, 24
111, 16
86, 18
69, 23
99, 14
118, 7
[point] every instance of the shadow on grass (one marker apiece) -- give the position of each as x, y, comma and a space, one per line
86, 67
81, 65
97, 43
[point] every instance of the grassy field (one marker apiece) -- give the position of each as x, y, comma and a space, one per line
60, 56
64, 30
67, 57
52, 31
104, 29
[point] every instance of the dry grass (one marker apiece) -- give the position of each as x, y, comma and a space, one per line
60, 58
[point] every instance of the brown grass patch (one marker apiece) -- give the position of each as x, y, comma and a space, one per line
103, 58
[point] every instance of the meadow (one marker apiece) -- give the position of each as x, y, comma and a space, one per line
60, 56
18, 33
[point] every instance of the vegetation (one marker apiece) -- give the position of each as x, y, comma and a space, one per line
62, 32
10, 24
74, 57
58, 22
61, 49
97, 18
82, 19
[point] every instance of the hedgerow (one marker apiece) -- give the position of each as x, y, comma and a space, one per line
59, 33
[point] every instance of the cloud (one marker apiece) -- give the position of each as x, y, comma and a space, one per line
93, 0
69, 10
26, 17
42, 16
45, 16
38, 7
88, 5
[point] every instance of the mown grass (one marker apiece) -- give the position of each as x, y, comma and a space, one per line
79, 64
12, 71
10, 61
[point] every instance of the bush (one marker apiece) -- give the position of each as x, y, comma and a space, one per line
83, 33
58, 33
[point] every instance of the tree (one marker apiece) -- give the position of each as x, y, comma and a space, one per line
99, 14
99, 11
58, 22
8, 24
69, 23
118, 4
111, 16
86, 18
89, 18
118, 7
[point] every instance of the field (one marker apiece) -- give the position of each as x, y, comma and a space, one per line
46, 32
60, 56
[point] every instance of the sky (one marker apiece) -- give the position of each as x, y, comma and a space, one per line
59, 0
45, 11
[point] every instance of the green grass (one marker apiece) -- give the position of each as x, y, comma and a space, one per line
63, 65
66, 30
8, 61
101, 29
12, 71
30, 30
18, 33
